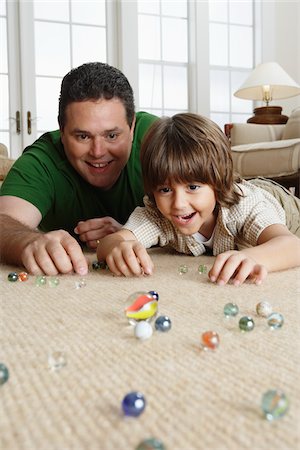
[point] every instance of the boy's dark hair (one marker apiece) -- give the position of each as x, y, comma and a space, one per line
93, 81
188, 148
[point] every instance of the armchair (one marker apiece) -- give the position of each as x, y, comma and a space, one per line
270, 151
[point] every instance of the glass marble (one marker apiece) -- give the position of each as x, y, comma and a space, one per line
4, 374
23, 276
80, 283
202, 269
155, 295
143, 330
140, 305
57, 360
40, 280
274, 404
133, 404
12, 276
231, 309
151, 444
97, 265
53, 281
163, 323
246, 323
210, 340
263, 309
275, 321
183, 269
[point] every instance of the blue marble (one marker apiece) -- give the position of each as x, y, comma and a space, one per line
154, 295
163, 323
4, 374
133, 404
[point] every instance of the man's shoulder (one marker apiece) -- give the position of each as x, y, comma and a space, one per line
144, 120
47, 143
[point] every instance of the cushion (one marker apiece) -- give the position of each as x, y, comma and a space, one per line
245, 133
267, 159
292, 127
5, 165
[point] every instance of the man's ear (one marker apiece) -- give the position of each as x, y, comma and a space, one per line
133, 125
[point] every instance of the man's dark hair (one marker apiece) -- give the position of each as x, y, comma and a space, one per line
93, 81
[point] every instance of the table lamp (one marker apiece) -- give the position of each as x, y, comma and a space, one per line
267, 82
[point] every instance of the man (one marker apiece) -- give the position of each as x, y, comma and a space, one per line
79, 183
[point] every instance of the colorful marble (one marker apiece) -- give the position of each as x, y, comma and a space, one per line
202, 269
133, 404
57, 360
246, 323
183, 269
274, 404
210, 340
40, 280
231, 310
143, 330
4, 374
275, 321
263, 309
12, 276
151, 444
163, 323
23, 276
140, 306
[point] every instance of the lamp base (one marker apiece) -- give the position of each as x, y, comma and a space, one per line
268, 115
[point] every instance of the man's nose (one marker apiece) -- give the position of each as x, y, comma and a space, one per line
98, 147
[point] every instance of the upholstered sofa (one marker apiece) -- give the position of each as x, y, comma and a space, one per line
271, 151
5, 162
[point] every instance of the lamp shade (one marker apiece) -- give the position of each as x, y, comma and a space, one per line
271, 77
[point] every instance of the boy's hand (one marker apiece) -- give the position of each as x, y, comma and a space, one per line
90, 231
236, 266
129, 258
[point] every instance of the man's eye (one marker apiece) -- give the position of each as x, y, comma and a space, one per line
82, 136
112, 136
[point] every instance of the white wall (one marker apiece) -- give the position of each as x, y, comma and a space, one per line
281, 41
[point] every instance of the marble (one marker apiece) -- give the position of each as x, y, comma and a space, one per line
163, 323
246, 323
4, 374
133, 404
274, 404
143, 330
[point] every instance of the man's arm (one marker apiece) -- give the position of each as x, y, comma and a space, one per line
20, 243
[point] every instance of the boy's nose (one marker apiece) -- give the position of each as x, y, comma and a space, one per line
179, 200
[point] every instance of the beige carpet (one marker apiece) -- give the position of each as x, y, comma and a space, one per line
195, 400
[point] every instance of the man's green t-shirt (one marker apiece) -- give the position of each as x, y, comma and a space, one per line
44, 177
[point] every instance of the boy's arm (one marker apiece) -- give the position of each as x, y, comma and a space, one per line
124, 255
277, 249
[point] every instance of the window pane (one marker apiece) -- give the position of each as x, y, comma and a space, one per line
218, 44
220, 119
219, 90
241, 12
52, 56
149, 48
174, 40
3, 40
4, 111
174, 8
148, 7
175, 88
218, 11
150, 86
238, 104
47, 94
89, 44
50, 10
89, 12
2, 8
241, 55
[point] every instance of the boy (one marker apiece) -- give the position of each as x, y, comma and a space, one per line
194, 203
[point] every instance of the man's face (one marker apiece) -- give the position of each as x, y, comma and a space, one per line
97, 140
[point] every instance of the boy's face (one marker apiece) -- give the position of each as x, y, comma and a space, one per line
189, 206
97, 140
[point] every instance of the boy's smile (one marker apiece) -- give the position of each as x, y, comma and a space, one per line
189, 206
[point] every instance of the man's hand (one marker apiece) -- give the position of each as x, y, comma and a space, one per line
52, 253
129, 258
238, 267
90, 231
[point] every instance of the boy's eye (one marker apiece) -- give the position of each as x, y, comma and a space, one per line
164, 189
194, 187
